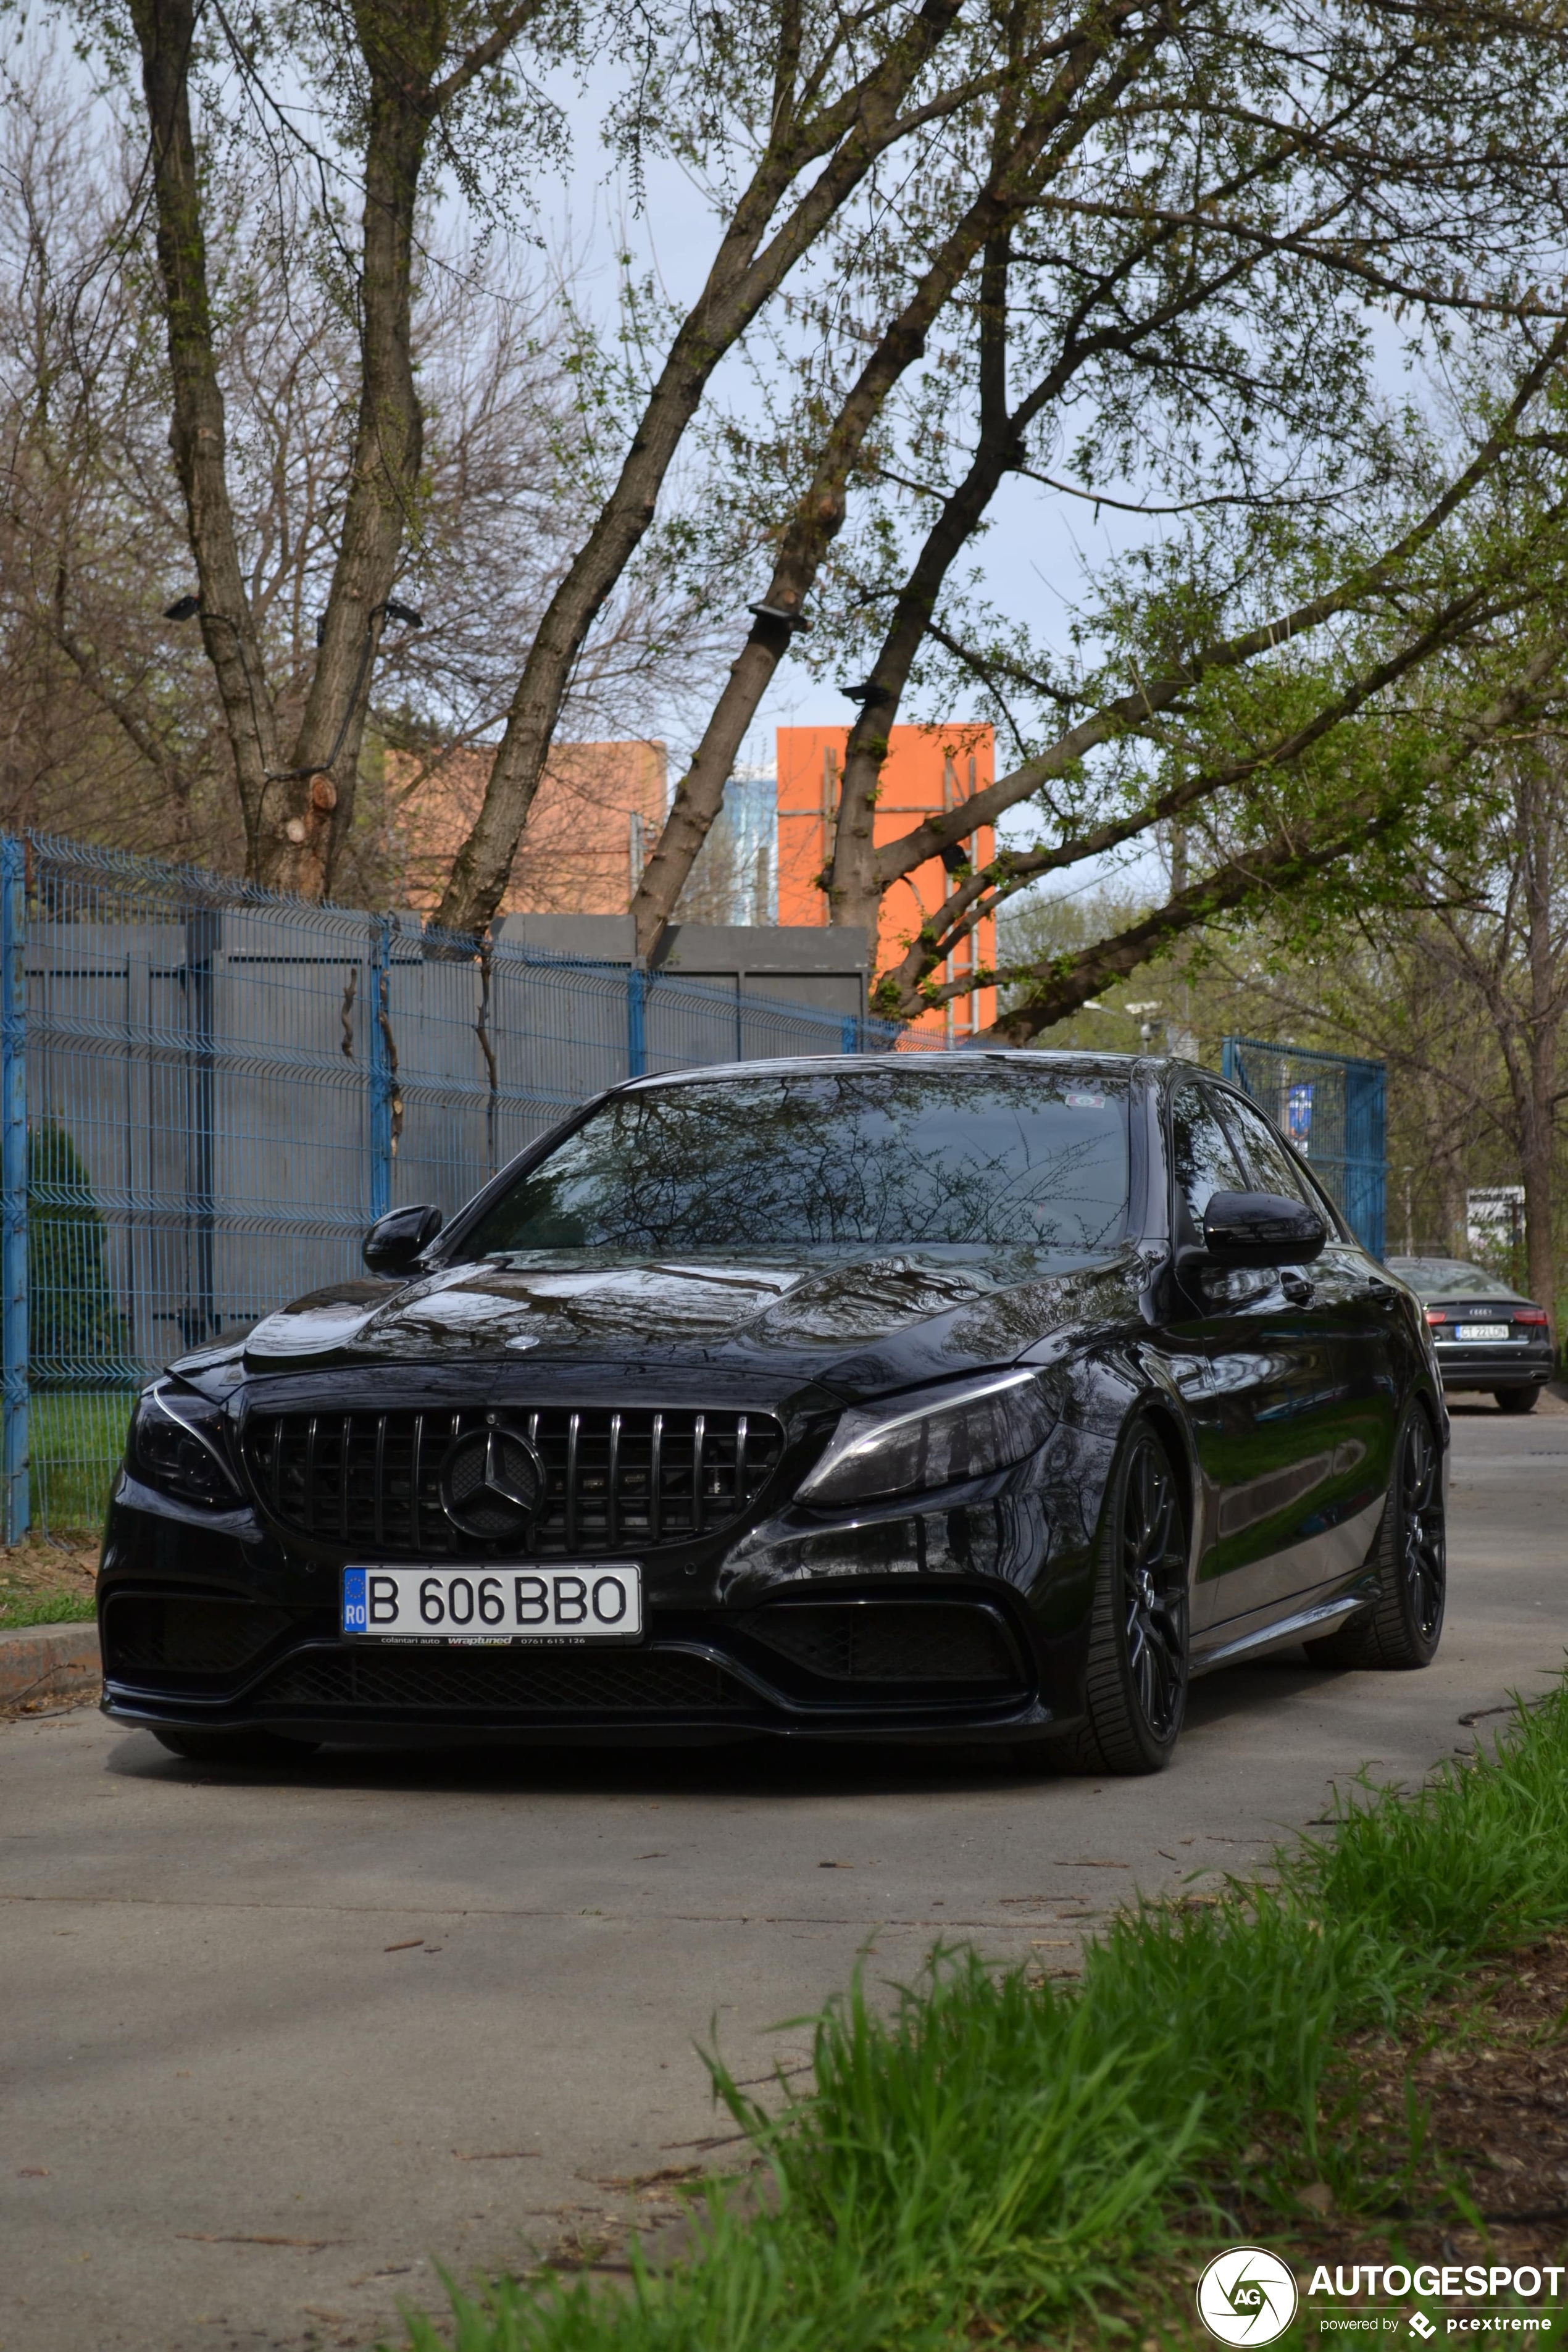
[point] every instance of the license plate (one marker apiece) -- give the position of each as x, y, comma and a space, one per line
577, 1601
1482, 1331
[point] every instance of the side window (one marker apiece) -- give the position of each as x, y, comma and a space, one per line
1202, 1153
1272, 1165
1276, 1169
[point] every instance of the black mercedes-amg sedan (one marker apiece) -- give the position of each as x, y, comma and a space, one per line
979, 1396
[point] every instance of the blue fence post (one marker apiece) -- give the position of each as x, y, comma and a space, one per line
379, 1064
637, 1022
1366, 1186
202, 938
13, 1178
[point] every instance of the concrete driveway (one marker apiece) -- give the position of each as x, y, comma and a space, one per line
274, 2047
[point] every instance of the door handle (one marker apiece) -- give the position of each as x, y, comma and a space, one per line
1297, 1289
1375, 1288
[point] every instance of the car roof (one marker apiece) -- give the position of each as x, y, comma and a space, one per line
967, 1058
1431, 1272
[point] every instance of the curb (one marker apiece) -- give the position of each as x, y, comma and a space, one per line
49, 1661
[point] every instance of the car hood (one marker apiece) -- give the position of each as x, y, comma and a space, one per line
851, 1321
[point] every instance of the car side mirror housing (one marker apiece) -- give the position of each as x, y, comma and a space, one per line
1261, 1229
393, 1242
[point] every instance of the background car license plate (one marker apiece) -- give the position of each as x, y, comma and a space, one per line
1482, 1331
599, 1601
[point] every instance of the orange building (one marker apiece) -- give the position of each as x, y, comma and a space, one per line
928, 769
594, 818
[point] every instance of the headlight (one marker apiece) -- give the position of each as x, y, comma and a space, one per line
176, 1443
950, 1434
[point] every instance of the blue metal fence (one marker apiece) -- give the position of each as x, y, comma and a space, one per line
1333, 1109
207, 1093
13, 1188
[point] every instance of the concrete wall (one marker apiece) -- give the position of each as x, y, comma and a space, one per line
225, 1075
794, 963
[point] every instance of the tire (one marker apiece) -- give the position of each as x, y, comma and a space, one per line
1517, 1399
1405, 1625
1136, 1685
256, 1747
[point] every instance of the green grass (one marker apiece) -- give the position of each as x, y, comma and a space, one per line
74, 1441
997, 2150
20, 1609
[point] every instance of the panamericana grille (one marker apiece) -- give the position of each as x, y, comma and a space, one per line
615, 1480
502, 1680
190, 1636
889, 1642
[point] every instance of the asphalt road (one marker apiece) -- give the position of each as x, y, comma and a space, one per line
273, 2047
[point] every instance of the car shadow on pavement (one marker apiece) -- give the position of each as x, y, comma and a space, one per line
754, 1767
1252, 1689
757, 1767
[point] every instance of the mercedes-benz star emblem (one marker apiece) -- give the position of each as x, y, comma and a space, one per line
491, 1480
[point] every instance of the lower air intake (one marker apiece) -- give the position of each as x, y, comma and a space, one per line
144, 1633
889, 1641
502, 1682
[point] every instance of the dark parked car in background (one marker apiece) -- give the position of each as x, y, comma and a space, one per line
980, 1396
1485, 1335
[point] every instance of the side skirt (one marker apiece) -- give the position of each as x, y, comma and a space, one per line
1279, 1633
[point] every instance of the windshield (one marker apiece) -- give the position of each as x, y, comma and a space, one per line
1449, 1277
885, 1157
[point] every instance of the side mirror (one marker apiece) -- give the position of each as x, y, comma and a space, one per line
1261, 1229
394, 1241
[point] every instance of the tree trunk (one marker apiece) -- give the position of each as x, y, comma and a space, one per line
309, 811
854, 893
1010, 185
744, 274
165, 33
1446, 1152
1538, 847
296, 815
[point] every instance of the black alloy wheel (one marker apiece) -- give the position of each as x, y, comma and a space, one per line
1516, 1400
1405, 1625
1136, 1686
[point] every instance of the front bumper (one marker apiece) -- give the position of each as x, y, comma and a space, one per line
906, 1633
685, 1681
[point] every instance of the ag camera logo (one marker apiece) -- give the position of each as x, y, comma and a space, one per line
1247, 2296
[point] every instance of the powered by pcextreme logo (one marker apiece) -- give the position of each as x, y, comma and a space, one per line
1247, 2296
1473, 2283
